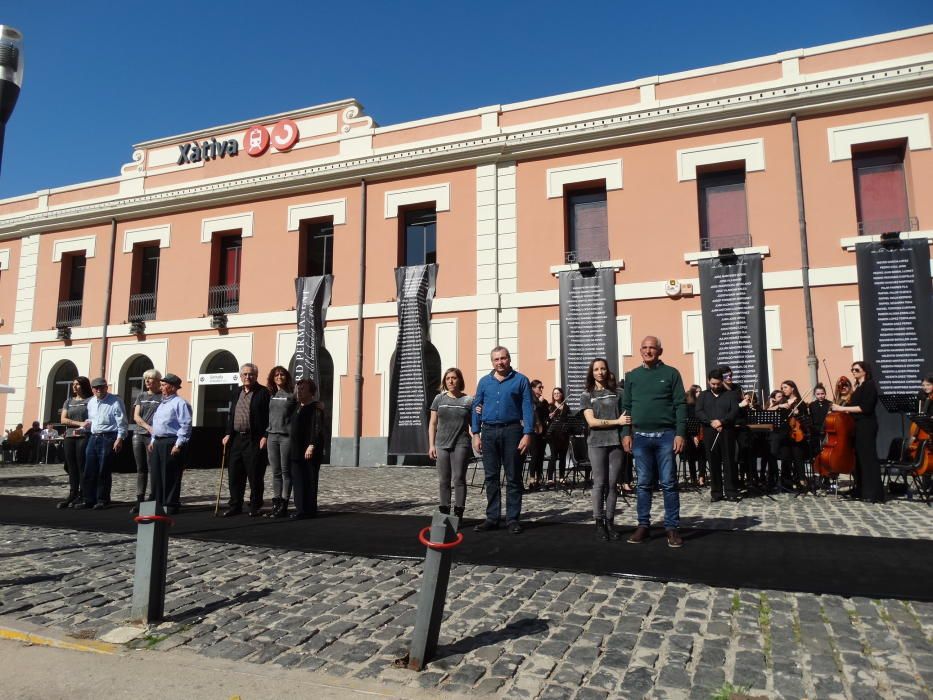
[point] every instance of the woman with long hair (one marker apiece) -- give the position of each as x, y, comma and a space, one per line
558, 439
73, 416
538, 441
862, 405
600, 403
693, 447
305, 448
281, 407
450, 440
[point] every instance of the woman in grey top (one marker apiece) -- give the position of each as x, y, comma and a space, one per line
145, 407
449, 439
281, 407
600, 405
73, 416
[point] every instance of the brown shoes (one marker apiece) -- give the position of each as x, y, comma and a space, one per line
674, 539
640, 535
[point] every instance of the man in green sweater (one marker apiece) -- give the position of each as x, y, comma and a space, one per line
654, 398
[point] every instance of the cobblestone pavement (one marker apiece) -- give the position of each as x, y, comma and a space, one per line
508, 632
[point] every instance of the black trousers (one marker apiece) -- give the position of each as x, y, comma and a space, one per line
305, 473
792, 455
74, 462
165, 472
867, 468
722, 470
246, 462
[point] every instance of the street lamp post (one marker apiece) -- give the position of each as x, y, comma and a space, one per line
11, 74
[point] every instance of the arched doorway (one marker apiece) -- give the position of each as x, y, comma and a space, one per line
214, 399
325, 393
60, 379
132, 381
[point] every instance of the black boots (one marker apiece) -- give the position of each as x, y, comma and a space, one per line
279, 508
458, 511
611, 530
605, 530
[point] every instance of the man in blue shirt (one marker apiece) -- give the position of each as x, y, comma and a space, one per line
171, 430
107, 426
503, 421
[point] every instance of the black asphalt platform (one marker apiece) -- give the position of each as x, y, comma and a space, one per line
832, 564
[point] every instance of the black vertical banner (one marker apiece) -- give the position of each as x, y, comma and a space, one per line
409, 400
896, 308
732, 300
313, 298
587, 327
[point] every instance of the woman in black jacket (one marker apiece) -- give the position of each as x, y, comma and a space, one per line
861, 405
305, 448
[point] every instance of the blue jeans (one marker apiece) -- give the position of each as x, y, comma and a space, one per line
98, 467
500, 449
655, 456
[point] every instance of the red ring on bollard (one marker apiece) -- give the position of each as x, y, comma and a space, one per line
438, 545
153, 519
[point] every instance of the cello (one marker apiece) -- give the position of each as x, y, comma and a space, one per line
837, 449
918, 437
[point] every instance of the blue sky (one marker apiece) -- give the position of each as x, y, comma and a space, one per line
101, 76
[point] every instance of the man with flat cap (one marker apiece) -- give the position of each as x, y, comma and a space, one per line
106, 423
171, 430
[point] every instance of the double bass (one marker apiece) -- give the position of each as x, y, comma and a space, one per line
837, 449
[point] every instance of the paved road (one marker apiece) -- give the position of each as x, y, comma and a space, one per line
508, 632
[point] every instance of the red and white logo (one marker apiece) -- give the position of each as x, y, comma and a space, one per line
284, 135
256, 140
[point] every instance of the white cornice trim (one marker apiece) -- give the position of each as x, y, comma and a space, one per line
608, 170
915, 128
73, 245
696, 257
439, 194
4, 259
689, 159
230, 222
850, 242
162, 234
336, 209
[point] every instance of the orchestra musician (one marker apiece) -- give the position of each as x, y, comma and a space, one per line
789, 444
717, 409
861, 405
752, 444
926, 395
819, 408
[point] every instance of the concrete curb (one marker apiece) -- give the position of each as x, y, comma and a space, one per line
43, 639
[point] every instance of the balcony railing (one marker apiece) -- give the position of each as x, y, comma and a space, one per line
69, 313
740, 240
873, 227
142, 307
223, 299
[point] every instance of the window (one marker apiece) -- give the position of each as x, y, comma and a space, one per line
723, 212
587, 226
881, 191
133, 384
145, 282
60, 381
316, 253
71, 291
224, 295
420, 241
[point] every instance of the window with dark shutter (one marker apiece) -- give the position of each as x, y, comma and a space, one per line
881, 191
723, 210
587, 226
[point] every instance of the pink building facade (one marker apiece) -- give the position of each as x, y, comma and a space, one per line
186, 260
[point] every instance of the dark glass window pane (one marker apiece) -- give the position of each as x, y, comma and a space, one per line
588, 226
149, 270
230, 252
420, 237
76, 278
881, 191
319, 249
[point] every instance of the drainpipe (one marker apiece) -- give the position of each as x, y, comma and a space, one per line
358, 376
495, 203
812, 361
107, 298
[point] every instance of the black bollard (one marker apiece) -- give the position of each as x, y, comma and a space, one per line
151, 562
433, 590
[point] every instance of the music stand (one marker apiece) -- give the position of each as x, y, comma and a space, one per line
901, 404
575, 427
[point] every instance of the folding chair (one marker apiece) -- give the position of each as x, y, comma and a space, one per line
897, 472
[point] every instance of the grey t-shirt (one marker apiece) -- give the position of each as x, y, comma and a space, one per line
148, 403
453, 421
281, 406
605, 406
75, 408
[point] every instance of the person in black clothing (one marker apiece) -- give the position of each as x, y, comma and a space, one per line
73, 416
792, 453
693, 447
819, 409
717, 409
305, 449
861, 405
558, 439
247, 423
538, 442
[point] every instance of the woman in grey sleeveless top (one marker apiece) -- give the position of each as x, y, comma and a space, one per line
600, 405
145, 407
449, 439
281, 407
74, 413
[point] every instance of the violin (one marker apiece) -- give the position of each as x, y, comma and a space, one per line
837, 450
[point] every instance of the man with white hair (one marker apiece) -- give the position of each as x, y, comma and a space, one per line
247, 422
654, 397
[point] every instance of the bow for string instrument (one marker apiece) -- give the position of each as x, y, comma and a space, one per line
837, 449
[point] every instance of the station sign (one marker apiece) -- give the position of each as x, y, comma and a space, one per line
219, 378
